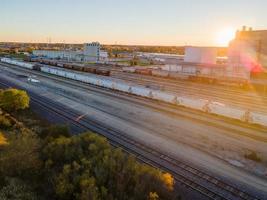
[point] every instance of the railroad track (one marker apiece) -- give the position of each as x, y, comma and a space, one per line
233, 127
228, 96
232, 95
177, 87
177, 84
172, 110
149, 155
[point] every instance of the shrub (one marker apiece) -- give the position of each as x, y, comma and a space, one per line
13, 99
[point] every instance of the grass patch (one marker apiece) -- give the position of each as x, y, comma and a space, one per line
18, 56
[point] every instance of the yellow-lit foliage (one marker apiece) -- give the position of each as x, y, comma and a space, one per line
3, 140
168, 180
153, 196
13, 99
85, 166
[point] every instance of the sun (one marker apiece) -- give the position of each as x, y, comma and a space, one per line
225, 36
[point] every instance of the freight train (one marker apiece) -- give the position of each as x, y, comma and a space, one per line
138, 90
195, 72
71, 66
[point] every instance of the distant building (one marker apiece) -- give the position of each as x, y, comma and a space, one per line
60, 55
90, 53
248, 49
161, 58
200, 55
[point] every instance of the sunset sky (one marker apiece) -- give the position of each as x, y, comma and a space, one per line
148, 22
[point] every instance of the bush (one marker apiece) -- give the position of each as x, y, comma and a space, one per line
13, 100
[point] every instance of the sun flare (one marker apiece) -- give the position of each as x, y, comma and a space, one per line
225, 36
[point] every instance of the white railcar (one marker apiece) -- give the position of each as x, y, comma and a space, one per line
18, 63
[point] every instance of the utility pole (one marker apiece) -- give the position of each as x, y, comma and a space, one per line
259, 49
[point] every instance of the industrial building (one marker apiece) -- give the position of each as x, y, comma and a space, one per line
200, 55
62, 55
161, 58
248, 49
91, 53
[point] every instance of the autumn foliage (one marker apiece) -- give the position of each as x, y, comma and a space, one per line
54, 164
13, 99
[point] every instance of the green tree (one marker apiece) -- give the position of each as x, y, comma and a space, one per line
13, 99
85, 166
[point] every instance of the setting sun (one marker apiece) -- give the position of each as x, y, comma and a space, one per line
225, 36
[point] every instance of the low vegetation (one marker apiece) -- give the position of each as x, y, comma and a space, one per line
50, 163
13, 100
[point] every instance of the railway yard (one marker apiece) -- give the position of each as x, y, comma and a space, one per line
207, 154
230, 95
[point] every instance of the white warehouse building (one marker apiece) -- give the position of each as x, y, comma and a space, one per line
63, 55
201, 55
91, 53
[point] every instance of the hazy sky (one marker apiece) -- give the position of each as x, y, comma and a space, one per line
150, 22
